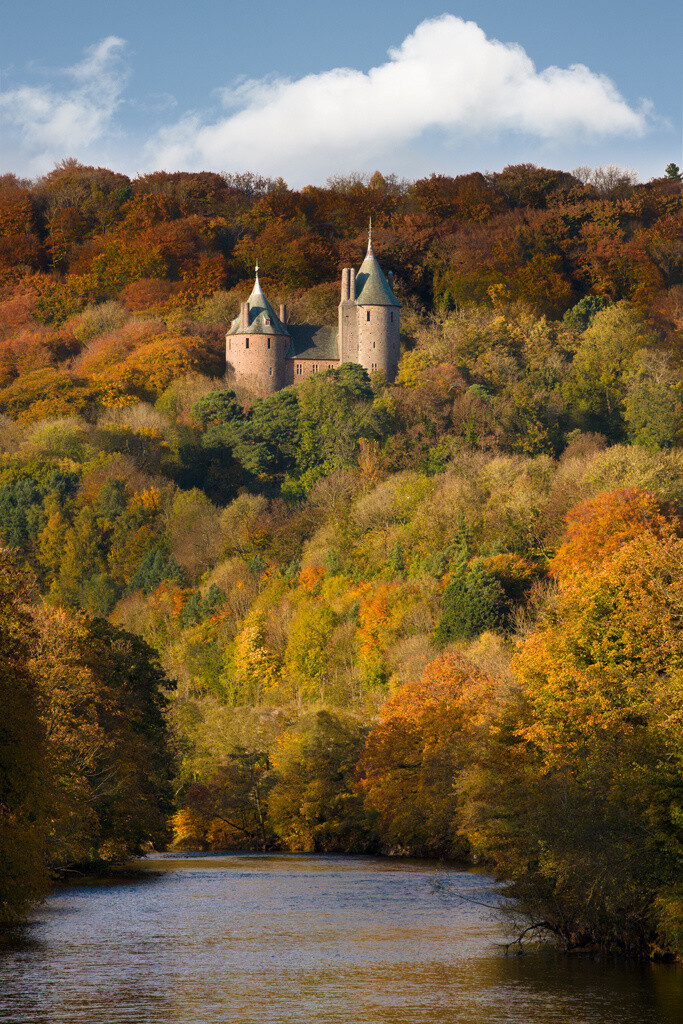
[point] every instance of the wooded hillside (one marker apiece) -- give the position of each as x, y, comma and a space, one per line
438, 618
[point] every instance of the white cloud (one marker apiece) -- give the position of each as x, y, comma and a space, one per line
446, 76
446, 80
45, 123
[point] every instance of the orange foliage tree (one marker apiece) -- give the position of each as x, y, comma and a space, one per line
425, 738
578, 804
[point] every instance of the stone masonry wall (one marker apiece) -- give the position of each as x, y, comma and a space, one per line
261, 365
294, 375
379, 339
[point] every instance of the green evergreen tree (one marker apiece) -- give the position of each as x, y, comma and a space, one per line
581, 315
153, 570
472, 602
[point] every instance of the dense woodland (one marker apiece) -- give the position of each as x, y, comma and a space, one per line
436, 618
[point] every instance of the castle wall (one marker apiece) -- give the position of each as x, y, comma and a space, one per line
348, 332
379, 339
297, 370
257, 361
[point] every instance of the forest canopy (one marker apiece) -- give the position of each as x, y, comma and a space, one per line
434, 618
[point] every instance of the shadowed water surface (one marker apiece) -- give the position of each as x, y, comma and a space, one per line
293, 940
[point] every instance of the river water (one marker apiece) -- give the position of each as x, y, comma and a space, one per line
261, 939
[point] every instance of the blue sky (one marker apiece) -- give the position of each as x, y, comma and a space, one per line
307, 90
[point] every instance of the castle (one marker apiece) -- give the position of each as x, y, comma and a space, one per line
265, 353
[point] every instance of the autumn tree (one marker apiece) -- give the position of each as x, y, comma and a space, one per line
603, 362
102, 697
425, 738
230, 809
24, 783
581, 795
314, 806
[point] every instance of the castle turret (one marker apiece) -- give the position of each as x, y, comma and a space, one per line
369, 326
256, 344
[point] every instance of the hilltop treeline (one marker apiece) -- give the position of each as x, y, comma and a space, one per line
438, 618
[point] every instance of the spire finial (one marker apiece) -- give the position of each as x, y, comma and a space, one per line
370, 252
256, 269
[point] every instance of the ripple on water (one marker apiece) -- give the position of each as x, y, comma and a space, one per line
290, 939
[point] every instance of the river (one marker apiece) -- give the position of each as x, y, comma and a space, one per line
261, 939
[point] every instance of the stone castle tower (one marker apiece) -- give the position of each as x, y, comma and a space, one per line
265, 353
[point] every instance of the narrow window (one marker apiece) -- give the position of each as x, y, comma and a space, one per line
247, 345
229, 346
373, 344
392, 318
270, 371
367, 315
268, 342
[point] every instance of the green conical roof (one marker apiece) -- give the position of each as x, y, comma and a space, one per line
262, 318
372, 287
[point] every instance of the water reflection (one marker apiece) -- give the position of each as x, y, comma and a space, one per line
289, 939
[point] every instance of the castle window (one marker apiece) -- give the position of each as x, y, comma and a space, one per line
373, 344
298, 367
392, 318
367, 315
270, 371
268, 342
229, 346
315, 367
268, 324
247, 344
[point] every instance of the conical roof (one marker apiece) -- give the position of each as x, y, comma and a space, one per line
372, 287
262, 318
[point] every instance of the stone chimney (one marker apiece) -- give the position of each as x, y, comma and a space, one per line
283, 313
352, 284
390, 279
